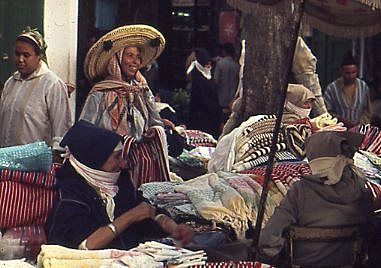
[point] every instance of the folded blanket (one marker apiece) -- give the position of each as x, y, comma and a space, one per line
29, 157
43, 179
59, 256
15, 264
22, 204
215, 200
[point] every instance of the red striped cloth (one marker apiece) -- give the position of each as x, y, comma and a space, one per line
22, 204
231, 264
147, 160
36, 178
284, 172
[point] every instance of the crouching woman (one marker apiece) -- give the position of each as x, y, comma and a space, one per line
97, 206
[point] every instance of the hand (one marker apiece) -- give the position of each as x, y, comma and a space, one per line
183, 233
148, 135
143, 211
169, 124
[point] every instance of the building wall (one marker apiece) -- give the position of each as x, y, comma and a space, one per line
60, 28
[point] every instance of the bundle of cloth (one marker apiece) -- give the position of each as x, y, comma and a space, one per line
27, 181
61, 257
228, 198
26, 184
248, 145
372, 139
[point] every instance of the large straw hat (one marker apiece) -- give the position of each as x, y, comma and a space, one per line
147, 38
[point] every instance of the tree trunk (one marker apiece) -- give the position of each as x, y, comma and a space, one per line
270, 32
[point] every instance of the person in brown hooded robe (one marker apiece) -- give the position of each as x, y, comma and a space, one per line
334, 195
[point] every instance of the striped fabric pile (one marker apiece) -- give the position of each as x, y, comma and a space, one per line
372, 139
26, 197
147, 159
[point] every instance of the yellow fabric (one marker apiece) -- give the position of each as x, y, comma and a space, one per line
84, 263
323, 120
56, 256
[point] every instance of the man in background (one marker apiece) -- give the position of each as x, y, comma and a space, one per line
226, 76
347, 98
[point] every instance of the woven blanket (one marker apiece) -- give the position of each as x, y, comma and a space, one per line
250, 188
35, 156
295, 136
250, 161
230, 198
22, 204
216, 200
198, 138
147, 159
372, 139
55, 256
283, 174
35, 178
233, 264
224, 156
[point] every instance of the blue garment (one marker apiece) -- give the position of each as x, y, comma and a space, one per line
79, 211
338, 104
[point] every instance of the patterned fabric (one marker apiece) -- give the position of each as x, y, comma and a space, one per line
233, 264
372, 140
215, 200
45, 180
249, 144
296, 136
198, 138
337, 103
147, 160
151, 189
369, 169
35, 156
283, 174
249, 162
230, 199
21, 204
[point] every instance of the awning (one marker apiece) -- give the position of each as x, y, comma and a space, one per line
341, 18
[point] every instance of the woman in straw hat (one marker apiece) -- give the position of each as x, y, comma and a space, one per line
122, 101
34, 105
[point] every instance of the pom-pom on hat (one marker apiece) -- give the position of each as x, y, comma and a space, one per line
90, 144
150, 41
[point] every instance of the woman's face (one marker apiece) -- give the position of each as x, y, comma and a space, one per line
25, 58
114, 163
131, 62
307, 104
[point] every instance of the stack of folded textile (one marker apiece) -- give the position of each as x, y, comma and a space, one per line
173, 256
54, 256
27, 180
